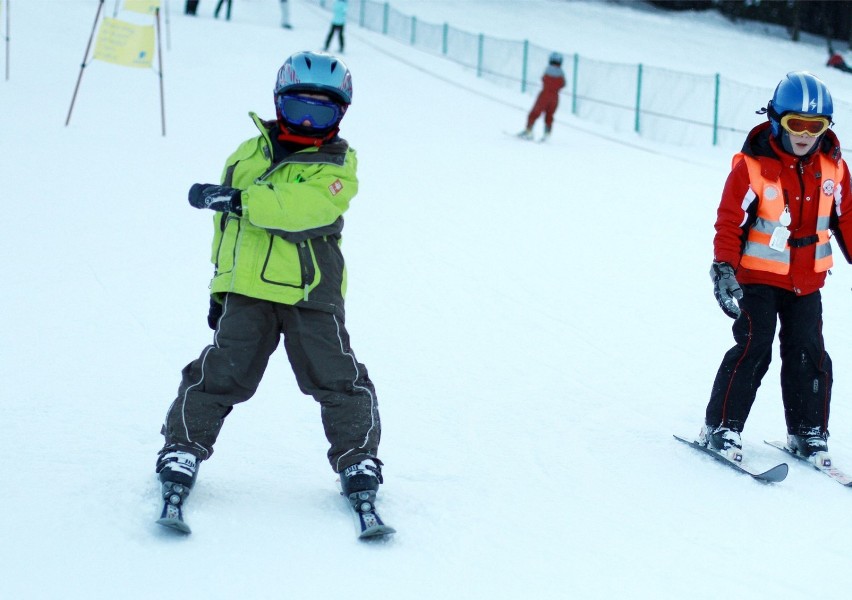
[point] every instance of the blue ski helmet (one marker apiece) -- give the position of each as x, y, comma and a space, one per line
555, 58
801, 92
315, 72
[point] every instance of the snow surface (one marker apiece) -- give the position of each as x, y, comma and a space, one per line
538, 320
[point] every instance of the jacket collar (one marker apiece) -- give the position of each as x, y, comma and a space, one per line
334, 150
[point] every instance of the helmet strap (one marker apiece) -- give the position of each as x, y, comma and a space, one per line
774, 120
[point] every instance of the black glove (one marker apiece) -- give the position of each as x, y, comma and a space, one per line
216, 197
725, 288
213, 314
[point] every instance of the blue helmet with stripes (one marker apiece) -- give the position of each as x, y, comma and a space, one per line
800, 92
315, 72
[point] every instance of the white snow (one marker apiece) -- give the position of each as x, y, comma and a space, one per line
538, 320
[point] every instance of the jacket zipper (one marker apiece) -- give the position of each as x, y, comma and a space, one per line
307, 261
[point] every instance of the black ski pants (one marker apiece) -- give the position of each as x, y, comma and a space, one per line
806, 374
229, 371
339, 30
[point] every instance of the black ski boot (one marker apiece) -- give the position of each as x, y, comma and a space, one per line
808, 444
177, 470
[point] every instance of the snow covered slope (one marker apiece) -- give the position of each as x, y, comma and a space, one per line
537, 318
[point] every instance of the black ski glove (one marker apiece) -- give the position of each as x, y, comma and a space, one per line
725, 288
213, 314
216, 197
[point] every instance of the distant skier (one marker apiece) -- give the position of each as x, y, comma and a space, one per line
279, 273
787, 193
836, 61
285, 15
227, 9
547, 101
338, 22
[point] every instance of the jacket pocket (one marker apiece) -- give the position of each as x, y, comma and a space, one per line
288, 264
226, 250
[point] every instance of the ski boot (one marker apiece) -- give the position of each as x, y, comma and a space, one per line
177, 472
812, 446
723, 440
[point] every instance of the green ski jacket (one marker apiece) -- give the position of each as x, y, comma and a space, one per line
286, 245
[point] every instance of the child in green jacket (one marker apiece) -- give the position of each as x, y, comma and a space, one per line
279, 272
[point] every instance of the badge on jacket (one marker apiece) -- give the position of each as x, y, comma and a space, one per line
779, 238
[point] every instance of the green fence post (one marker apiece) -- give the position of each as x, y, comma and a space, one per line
524, 66
638, 96
385, 18
446, 37
413, 30
479, 55
361, 17
716, 113
574, 84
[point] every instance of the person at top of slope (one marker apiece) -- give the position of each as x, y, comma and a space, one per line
338, 22
279, 273
836, 60
787, 193
547, 101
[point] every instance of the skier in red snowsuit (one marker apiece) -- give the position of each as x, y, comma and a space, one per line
552, 81
836, 61
787, 195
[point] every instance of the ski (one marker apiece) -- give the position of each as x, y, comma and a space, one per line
518, 136
524, 138
823, 464
368, 523
172, 514
773, 475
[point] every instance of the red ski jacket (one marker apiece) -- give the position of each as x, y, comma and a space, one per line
551, 84
802, 184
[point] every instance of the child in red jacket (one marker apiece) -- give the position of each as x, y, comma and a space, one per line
786, 196
836, 61
552, 81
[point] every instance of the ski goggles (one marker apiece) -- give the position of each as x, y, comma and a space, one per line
297, 110
802, 125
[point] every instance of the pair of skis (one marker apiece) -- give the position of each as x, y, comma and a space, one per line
777, 473
361, 505
529, 138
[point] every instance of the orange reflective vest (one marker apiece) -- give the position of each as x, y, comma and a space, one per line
757, 253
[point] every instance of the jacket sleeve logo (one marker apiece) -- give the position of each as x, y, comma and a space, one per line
335, 187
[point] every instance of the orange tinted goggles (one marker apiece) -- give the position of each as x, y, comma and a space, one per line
802, 125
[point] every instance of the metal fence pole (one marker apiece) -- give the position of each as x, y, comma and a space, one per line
524, 66
445, 41
716, 113
574, 84
7, 40
385, 17
638, 96
83, 64
160, 73
479, 55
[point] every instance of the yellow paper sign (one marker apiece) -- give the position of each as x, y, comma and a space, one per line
146, 7
125, 44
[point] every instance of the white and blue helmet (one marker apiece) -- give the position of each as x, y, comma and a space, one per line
800, 92
315, 72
